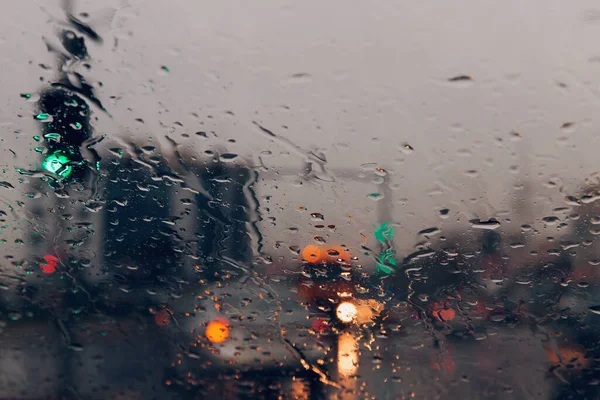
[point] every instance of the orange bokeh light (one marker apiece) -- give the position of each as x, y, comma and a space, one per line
443, 313
312, 253
573, 354
217, 331
316, 254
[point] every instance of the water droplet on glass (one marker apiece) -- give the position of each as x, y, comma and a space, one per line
461, 78
317, 216
228, 157
430, 232
44, 117
567, 125
515, 136
375, 196
6, 185
551, 220
319, 239
595, 309
489, 224
407, 148
594, 231
590, 198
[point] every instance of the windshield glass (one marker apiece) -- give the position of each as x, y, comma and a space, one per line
299, 200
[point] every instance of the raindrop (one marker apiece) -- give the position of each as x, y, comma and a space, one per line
94, 206
595, 309
319, 239
369, 166
380, 171
148, 149
295, 250
44, 117
6, 185
15, 316
375, 196
497, 318
461, 78
523, 281
430, 231
75, 347
586, 199
551, 220
595, 231
317, 217
333, 253
300, 77
228, 157
489, 224
407, 148
567, 125
569, 245
116, 151
514, 136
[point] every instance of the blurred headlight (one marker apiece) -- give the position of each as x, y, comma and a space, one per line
346, 312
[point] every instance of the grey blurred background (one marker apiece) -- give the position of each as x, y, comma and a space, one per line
356, 81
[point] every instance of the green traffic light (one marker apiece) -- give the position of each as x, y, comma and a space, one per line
58, 163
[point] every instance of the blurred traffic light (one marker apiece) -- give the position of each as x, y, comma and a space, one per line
65, 124
58, 163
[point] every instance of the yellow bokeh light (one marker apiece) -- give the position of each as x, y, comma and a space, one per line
346, 312
347, 359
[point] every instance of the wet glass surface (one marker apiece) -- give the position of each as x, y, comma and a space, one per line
299, 200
